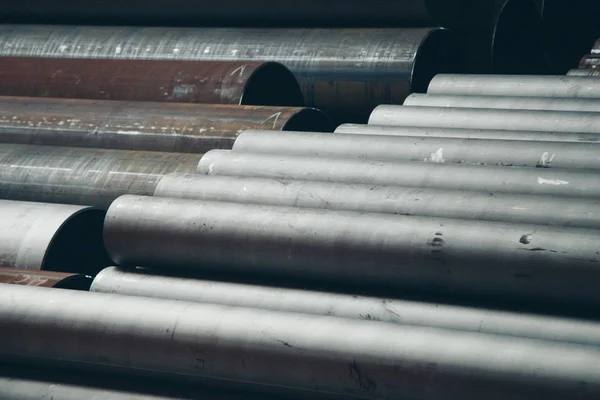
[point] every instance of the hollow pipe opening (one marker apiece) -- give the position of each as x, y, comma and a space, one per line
309, 120
272, 84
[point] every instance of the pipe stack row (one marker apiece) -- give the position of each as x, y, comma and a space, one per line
589, 64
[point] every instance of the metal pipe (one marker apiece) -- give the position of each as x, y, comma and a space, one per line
430, 150
537, 181
382, 130
481, 118
92, 177
170, 127
502, 102
515, 85
49, 279
583, 213
147, 283
277, 351
51, 237
420, 254
208, 82
590, 61
584, 72
345, 72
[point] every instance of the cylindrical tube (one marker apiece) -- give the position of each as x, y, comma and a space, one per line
502, 102
208, 82
584, 213
589, 72
515, 85
383, 130
590, 61
144, 126
92, 177
431, 150
421, 254
150, 284
481, 118
49, 279
344, 72
51, 237
538, 181
276, 350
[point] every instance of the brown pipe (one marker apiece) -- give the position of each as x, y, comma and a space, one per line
145, 126
49, 279
207, 82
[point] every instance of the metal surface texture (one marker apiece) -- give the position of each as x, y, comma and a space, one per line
382, 130
276, 350
150, 284
208, 82
502, 102
49, 279
405, 253
584, 213
144, 126
515, 85
344, 72
258, 13
590, 61
481, 118
589, 72
92, 177
52, 237
430, 150
538, 181
489, 134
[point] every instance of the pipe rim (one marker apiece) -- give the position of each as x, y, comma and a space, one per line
272, 84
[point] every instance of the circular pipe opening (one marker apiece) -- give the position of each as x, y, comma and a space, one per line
517, 43
76, 282
272, 84
309, 120
440, 52
78, 245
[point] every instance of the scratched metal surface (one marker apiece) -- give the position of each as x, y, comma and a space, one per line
345, 72
48, 279
208, 82
36, 236
83, 176
170, 127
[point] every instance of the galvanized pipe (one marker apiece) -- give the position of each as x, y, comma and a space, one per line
481, 118
584, 72
92, 177
430, 150
590, 61
583, 213
208, 82
147, 126
383, 130
147, 283
275, 350
421, 254
345, 72
51, 237
515, 85
537, 181
49, 279
502, 102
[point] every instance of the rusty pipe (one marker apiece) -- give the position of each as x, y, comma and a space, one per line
48, 279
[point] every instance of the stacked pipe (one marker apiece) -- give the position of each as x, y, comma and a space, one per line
588, 66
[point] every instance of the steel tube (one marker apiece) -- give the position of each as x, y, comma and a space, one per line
92, 177
269, 349
51, 237
382, 130
401, 253
149, 284
515, 85
345, 72
590, 61
172, 127
584, 213
538, 181
589, 72
502, 102
480, 118
430, 150
209, 82
49, 279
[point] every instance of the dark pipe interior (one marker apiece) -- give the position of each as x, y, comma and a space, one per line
272, 85
309, 120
